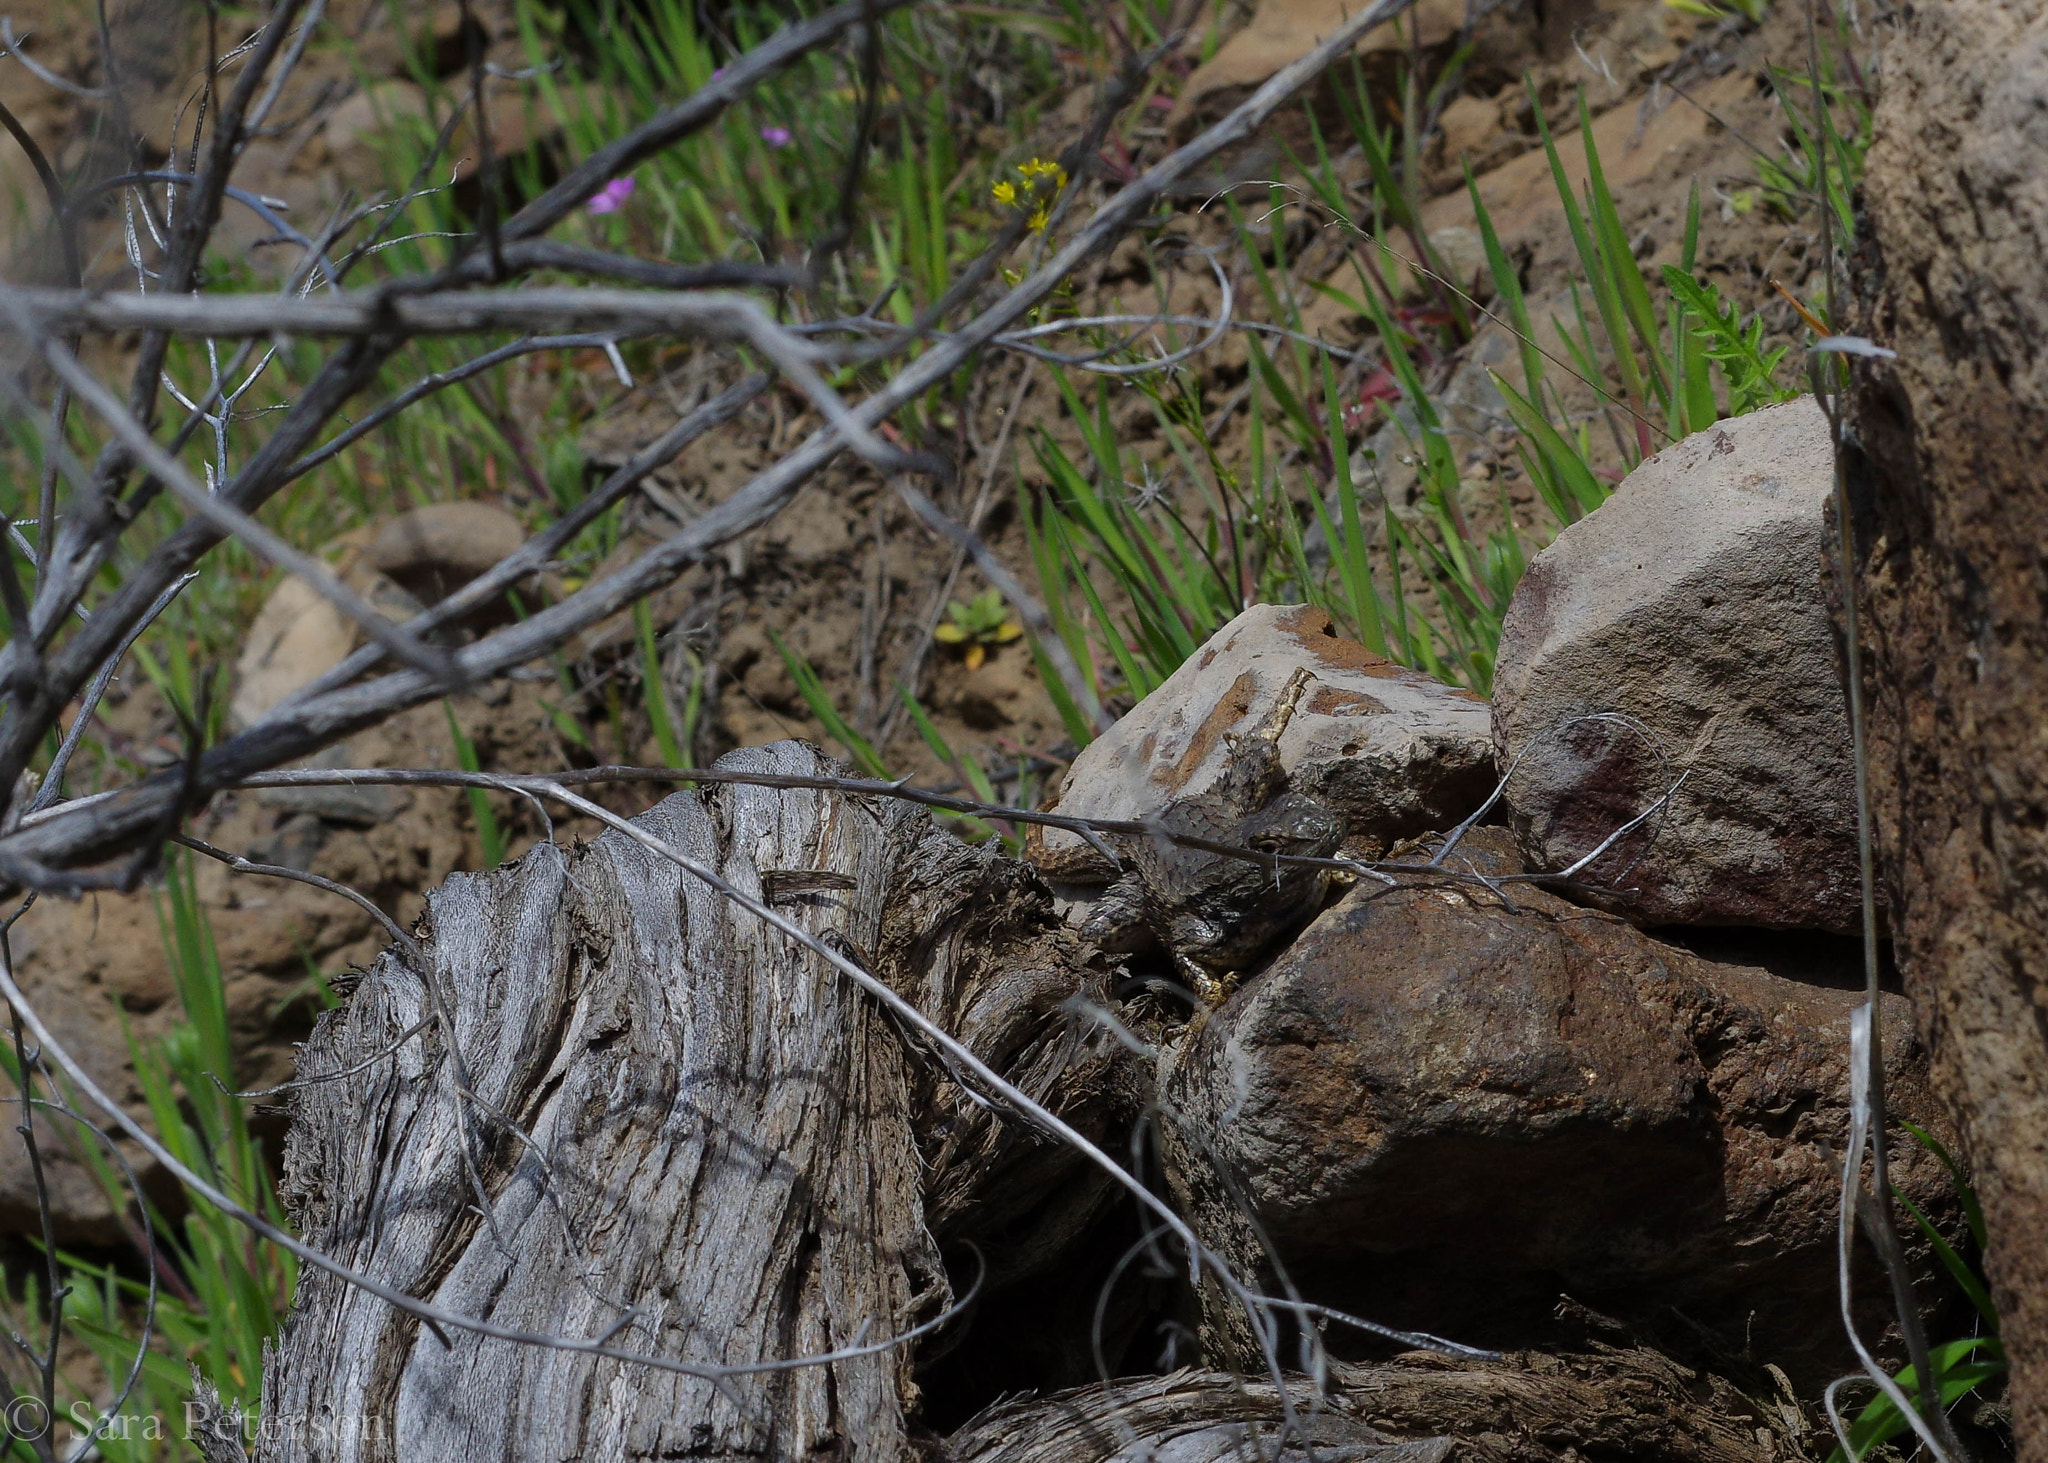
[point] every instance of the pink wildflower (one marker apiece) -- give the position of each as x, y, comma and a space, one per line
611, 197
776, 136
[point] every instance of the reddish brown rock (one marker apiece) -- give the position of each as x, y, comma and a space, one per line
1951, 494
1445, 1111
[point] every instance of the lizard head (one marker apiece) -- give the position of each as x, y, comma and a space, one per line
1293, 823
1232, 909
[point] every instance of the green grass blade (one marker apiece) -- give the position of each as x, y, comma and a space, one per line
1354, 563
651, 679
1560, 458
1507, 284
1626, 276
858, 747
1606, 299
967, 770
1973, 1211
1965, 1278
487, 832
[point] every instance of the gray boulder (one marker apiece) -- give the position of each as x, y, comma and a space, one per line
1692, 603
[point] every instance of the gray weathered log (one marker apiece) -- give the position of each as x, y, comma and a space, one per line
727, 1126
1527, 1409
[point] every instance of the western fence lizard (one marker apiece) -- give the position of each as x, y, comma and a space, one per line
1216, 914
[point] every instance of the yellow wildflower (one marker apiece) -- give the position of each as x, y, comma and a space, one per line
1038, 184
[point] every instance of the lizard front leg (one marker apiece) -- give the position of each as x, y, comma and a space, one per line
1210, 988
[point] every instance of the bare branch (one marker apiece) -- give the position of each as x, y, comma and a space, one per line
723, 274
711, 316
1420, 1340
413, 954
110, 1414
304, 33
15, 46
907, 678
53, 780
427, 385
67, 229
538, 551
1046, 635
229, 519
202, 207
87, 536
54, 1290
316, 721
707, 315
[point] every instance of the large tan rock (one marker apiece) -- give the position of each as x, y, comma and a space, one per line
1390, 750
1691, 601
298, 637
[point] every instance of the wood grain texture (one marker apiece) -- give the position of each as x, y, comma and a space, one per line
726, 1124
972, 939
1416, 1408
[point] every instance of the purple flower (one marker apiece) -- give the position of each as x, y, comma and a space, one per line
775, 136
611, 197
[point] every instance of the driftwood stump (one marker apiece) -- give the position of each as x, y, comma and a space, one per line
684, 1127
